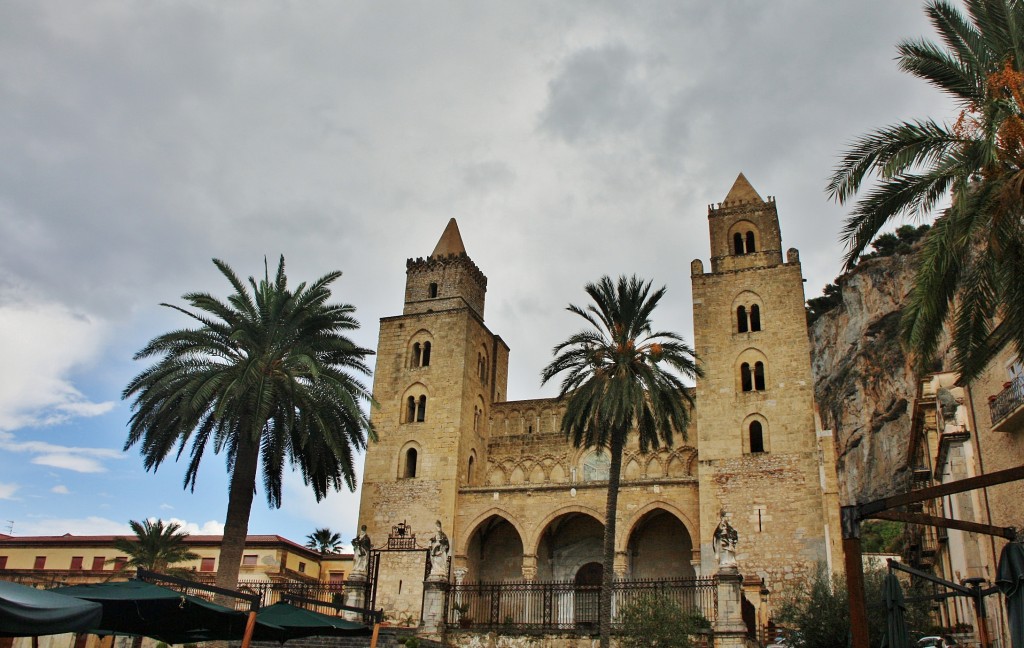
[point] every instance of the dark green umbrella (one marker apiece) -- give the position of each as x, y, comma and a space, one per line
1009, 577
140, 608
896, 635
296, 622
29, 612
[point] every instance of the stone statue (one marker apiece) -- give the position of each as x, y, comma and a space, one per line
361, 551
953, 410
724, 543
947, 406
439, 551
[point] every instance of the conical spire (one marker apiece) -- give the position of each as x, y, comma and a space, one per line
742, 191
450, 242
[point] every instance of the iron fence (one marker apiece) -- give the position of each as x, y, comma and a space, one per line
330, 595
563, 606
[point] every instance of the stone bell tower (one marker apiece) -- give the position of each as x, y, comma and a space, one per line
760, 453
438, 371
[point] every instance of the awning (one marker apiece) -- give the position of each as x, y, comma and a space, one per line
27, 612
139, 608
297, 622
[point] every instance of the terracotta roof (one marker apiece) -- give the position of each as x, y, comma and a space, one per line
67, 538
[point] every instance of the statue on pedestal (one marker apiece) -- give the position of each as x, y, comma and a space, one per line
439, 552
361, 551
724, 543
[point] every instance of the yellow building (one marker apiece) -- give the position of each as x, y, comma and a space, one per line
521, 504
69, 559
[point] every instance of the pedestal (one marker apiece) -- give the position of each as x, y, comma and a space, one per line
730, 631
355, 596
434, 593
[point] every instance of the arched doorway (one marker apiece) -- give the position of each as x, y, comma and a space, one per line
567, 543
587, 593
660, 547
495, 551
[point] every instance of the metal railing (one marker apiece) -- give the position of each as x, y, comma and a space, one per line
563, 606
1007, 400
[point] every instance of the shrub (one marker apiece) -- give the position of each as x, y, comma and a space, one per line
657, 620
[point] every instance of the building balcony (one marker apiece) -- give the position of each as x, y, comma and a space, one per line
1007, 407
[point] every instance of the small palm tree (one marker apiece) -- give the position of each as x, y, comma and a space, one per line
621, 377
156, 547
970, 268
267, 379
324, 540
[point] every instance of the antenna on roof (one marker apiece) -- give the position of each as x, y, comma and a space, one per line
10, 527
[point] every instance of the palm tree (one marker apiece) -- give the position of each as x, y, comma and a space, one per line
324, 540
969, 269
621, 376
157, 546
266, 377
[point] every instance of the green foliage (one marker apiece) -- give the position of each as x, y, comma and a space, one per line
658, 621
269, 378
157, 546
621, 375
969, 268
881, 536
410, 642
831, 297
817, 611
324, 540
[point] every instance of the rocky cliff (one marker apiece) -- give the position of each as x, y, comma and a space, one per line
863, 383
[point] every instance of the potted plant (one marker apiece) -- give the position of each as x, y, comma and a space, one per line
460, 611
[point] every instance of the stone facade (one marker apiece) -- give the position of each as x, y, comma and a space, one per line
520, 503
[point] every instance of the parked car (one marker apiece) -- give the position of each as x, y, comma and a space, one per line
937, 642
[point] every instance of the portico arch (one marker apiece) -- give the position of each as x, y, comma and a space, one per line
494, 548
659, 543
567, 543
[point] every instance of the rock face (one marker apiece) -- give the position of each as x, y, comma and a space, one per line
863, 382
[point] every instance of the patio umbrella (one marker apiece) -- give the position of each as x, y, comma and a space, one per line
1008, 578
296, 622
29, 612
895, 609
140, 608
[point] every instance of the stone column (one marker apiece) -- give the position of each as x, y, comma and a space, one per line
434, 593
355, 596
529, 568
730, 631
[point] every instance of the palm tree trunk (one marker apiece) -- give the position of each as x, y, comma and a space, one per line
608, 564
236, 522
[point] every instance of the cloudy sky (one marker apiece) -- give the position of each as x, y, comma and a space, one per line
570, 139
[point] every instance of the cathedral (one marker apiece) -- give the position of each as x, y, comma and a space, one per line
520, 503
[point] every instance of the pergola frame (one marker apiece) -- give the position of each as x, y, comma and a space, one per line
852, 516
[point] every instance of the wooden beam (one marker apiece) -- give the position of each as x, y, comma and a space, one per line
981, 481
933, 520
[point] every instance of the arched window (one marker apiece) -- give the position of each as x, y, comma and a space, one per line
745, 379
741, 319
758, 376
417, 354
433, 290
737, 243
426, 355
469, 471
421, 411
410, 463
756, 437
410, 410
750, 243
755, 318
